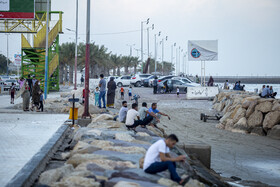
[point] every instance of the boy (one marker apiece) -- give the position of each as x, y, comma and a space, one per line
96, 95
12, 92
122, 93
130, 92
178, 91
42, 101
158, 159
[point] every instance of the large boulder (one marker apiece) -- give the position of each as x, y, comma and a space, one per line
276, 107
127, 184
241, 124
236, 108
124, 137
77, 181
220, 126
103, 117
194, 183
50, 176
274, 132
77, 159
255, 119
240, 113
225, 117
93, 109
168, 182
264, 107
258, 131
271, 119
229, 124
251, 108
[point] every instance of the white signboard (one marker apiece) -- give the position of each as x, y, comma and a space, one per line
17, 60
4, 5
203, 50
202, 92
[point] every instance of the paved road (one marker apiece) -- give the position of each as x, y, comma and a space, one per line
22, 134
249, 157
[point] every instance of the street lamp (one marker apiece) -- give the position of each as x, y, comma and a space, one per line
148, 43
159, 33
130, 48
147, 22
162, 54
173, 45
76, 45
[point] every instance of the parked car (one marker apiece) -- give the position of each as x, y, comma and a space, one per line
10, 81
146, 82
137, 79
123, 81
4, 77
173, 84
186, 80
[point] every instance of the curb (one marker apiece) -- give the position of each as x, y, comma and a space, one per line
33, 168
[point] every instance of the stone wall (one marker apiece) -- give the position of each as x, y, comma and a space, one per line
246, 112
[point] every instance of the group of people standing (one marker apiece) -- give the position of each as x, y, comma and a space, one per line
31, 88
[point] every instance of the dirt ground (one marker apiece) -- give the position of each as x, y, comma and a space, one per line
248, 157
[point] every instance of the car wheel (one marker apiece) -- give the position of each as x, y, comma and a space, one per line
138, 84
120, 84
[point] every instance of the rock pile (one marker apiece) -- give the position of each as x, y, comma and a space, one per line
105, 153
247, 113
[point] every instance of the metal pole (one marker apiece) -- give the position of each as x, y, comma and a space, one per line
7, 54
177, 67
148, 42
86, 112
179, 59
155, 53
76, 47
47, 52
172, 54
142, 47
162, 55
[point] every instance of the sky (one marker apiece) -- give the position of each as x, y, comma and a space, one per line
248, 31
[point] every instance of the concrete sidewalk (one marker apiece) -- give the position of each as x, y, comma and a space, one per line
22, 135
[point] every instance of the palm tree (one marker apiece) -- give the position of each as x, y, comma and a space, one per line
66, 58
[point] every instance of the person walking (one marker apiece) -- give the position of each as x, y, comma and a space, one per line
122, 93
36, 96
42, 101
211, 81
21, 82
155, 85
102, 86
82, 80
29, 81
178, 91
96, 95
197, 79
130, 92
25, 94
226, 85
12, 93
111, 92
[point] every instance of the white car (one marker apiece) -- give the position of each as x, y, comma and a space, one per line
137, 79
123, 81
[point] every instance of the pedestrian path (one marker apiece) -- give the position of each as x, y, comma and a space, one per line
22, 134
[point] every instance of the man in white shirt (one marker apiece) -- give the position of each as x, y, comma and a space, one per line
123, 112
157, 159
132, 114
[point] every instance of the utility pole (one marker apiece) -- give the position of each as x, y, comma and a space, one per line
86, 112
47, 52
7, 54
76, 47
147, 22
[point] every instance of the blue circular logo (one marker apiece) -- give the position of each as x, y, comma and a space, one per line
195, 53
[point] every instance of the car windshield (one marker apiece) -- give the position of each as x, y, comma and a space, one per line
144, 76
186, 81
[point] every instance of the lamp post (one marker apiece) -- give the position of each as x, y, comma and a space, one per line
7, 54
162, 52
156, 50
173, 45
130, 48
148, 43
47, 52
147, 22
86, 112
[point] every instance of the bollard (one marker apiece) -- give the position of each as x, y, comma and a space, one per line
74, 111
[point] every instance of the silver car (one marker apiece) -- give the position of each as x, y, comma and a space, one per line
170, 86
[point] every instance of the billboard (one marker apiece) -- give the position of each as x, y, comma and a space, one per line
17, 9
17, 61
203, 50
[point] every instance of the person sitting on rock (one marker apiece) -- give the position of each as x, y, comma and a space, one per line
157, 159
123, 112
131, 123
265, 92
155, 111
144, 112
271, 93
261, 90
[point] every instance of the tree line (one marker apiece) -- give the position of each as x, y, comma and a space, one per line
101, 61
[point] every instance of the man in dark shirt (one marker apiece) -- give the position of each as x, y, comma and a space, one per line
29, 80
